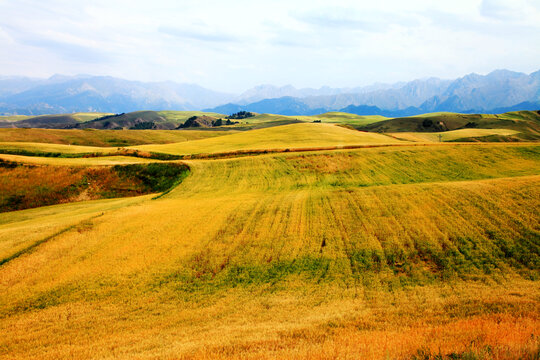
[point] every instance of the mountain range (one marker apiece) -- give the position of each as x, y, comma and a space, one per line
498, 91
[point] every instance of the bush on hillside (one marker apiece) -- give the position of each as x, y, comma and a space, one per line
241, 115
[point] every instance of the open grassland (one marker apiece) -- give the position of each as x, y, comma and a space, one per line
180, 117
51, 121
79, 161
526, 125
345, 118
13, 118
260, 121
395, 252
452, 135
10, 147
104, 138
282, 137
87, 116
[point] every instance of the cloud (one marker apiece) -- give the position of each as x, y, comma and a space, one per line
73, 49
349, 19
304, 42
208, 34
514, 10
497, 9
488, 27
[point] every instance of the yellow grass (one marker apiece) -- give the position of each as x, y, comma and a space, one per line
344, 118
451, 135
112, 138
231, 264
13, 118
58, 148
182, 116
92, 161
292, 136
329, 117
436, 114
87, 116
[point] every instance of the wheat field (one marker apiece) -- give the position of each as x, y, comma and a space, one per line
303, 135
390, 252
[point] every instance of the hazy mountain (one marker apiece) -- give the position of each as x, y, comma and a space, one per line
263, 92
499, 90
61, 94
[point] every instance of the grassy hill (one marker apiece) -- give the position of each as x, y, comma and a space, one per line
56, 121
454, 135
12, 118
525, 123
133, 120
30, 147
105, 138
179, 117
304, 135
345, 118
393, 252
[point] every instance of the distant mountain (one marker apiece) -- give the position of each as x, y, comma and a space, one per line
497, 92
63, 94
263, 92
284, 106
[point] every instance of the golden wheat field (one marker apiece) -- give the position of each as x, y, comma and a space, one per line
390, 252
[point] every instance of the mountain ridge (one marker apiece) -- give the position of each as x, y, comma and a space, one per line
498, 91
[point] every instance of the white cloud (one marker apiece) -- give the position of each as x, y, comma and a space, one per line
236, 44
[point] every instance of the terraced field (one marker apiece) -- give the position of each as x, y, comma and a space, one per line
391, 252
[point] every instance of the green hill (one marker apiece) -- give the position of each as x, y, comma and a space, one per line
56, 121
525, 123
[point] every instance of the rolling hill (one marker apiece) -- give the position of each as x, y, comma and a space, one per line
55, 121
103, 138
137, 120
399, 252
525, 123
294, 136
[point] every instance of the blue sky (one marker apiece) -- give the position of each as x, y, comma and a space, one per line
233, 45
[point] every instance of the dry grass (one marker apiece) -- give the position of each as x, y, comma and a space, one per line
451, 135
104, 138
280, 137
52, 148
84, 161
372, 253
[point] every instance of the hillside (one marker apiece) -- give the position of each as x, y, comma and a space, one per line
42, 185
525, 123
103, 138
391, 252
56, 121
304, 135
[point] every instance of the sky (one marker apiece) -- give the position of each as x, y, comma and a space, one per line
234, 45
